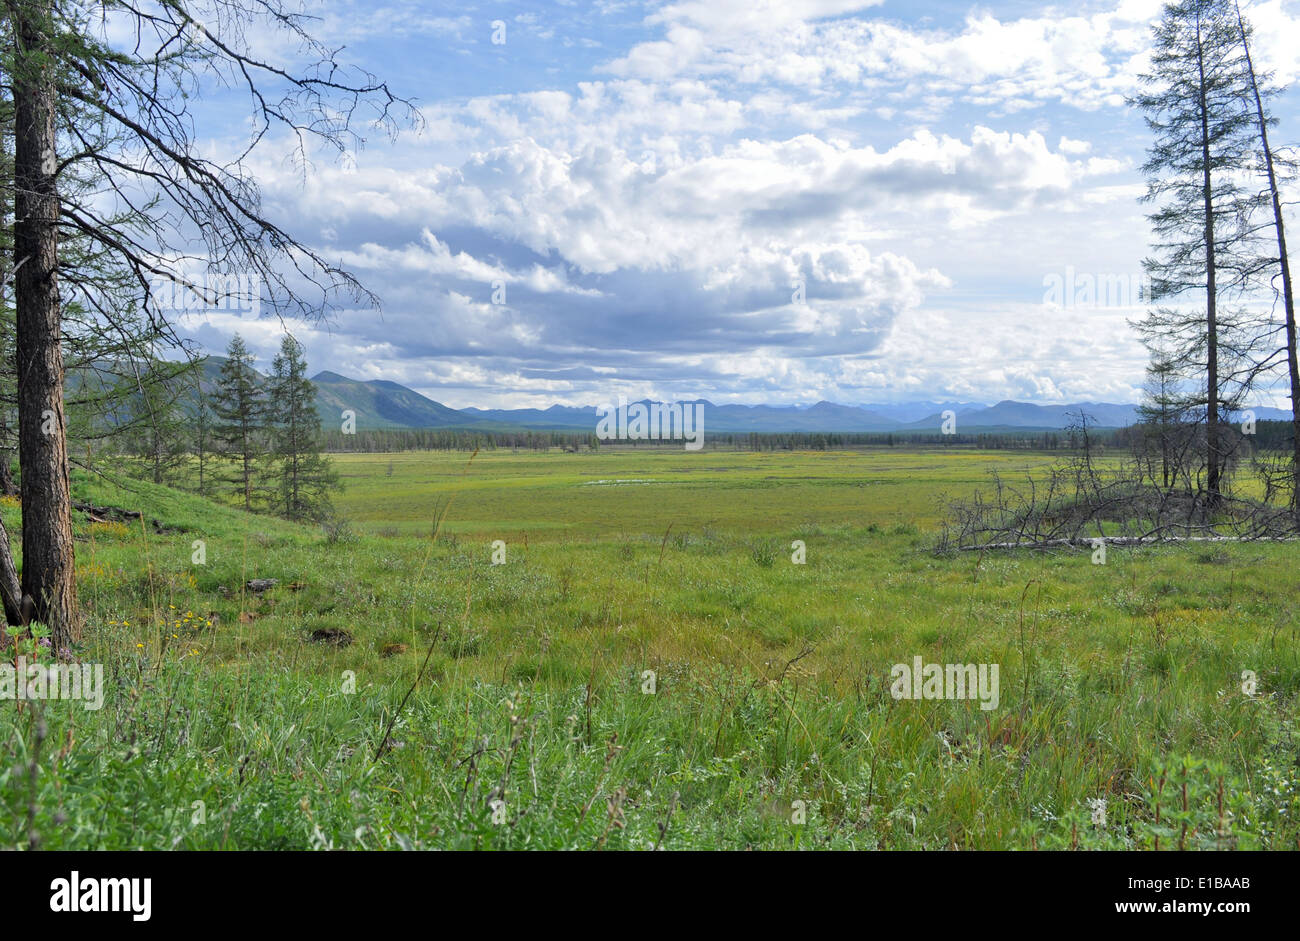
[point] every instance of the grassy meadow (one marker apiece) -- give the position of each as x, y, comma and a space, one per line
648, 668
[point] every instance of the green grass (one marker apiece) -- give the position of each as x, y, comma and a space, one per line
1119, 682
554, 496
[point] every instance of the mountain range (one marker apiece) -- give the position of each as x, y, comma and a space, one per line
382, 404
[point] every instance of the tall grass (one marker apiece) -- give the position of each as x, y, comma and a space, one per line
645, 686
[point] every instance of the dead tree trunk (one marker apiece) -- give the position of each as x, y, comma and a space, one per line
10, 591
7, 486
48, 564
1213, 456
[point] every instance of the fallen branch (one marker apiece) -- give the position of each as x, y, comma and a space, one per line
1091, 542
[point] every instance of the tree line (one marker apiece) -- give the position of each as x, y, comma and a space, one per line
244, 439
1271, 435
377, 440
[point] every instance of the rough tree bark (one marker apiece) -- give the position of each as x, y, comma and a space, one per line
48, 564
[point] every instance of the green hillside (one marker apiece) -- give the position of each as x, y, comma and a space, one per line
377, 403
380, 404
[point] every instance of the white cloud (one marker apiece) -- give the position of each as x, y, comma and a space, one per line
650, 219
1085, 60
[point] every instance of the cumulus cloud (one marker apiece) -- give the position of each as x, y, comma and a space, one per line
534, 268
749, 201
1087, 60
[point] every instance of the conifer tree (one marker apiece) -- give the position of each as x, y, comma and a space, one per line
1202, 136
1260, 91
306, 477
157, 422
202, 434
239, 407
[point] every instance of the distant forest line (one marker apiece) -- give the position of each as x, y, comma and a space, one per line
1268, 436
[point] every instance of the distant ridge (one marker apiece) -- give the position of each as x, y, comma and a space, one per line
379, 403
383, 404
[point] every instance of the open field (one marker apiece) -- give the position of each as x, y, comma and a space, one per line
770, 723
638, 492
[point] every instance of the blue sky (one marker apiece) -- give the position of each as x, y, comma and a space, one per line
652, 182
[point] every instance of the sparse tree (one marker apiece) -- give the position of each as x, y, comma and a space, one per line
240, 410
1261, 90
306, 477
156, 423
1192, 103
202, 441
1162, 413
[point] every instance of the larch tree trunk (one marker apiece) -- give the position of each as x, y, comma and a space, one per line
48, 562
1213, 455
10, 588
1288, 296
